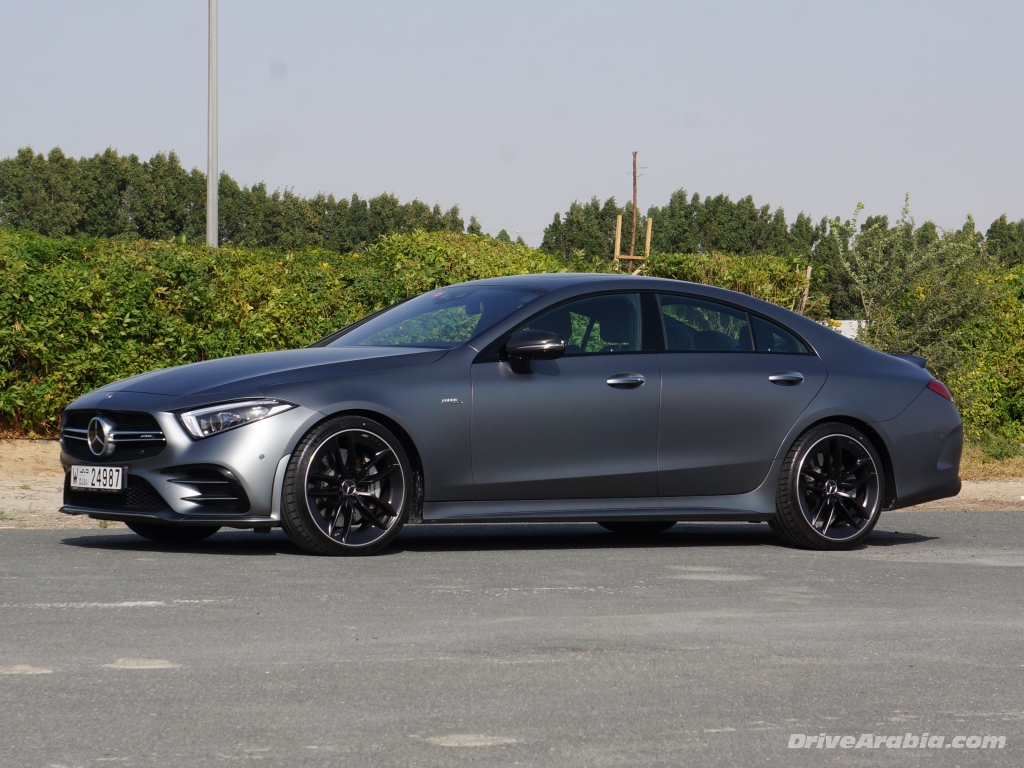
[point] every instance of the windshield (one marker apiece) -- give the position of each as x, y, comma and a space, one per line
443, 318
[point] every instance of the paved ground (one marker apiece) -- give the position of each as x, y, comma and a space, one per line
546, 645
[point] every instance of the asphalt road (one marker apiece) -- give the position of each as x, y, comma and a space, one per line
563, 645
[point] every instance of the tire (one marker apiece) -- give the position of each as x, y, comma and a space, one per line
348, 488
638, 527
831, 489
173, 534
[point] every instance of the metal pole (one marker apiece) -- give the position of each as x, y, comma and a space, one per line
212, 174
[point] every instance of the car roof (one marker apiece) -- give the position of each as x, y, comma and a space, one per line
554, 280
558, 284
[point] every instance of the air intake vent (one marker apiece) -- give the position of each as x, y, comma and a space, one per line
138, 496
214, 489
133, 436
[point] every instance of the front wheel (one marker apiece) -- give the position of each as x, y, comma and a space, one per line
173, 534
348, 488
831, 489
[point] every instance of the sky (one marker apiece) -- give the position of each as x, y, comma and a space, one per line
513, 110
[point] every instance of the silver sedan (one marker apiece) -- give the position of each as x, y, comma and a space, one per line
631, 402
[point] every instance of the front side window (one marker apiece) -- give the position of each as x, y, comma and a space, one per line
443, 318
596, 325
698, 325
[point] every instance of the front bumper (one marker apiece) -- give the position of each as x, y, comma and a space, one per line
172, 518
169, 488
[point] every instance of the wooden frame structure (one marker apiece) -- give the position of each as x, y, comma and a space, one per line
630, 257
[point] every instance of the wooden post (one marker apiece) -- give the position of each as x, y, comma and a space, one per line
807, 291
618, 234
632, 237
647, 244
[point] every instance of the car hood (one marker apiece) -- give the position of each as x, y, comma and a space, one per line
249, 372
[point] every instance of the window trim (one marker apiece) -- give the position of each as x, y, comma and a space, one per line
750, 329
495, 351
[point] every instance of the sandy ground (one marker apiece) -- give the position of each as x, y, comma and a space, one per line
31, 483
32, 487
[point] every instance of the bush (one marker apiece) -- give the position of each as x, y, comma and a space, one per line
780, 280
942, 296
79, 313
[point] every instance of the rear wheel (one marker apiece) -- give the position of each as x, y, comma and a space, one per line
830, 490
638, 527
173, 534
348, 488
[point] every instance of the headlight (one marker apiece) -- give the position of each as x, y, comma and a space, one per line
214, 419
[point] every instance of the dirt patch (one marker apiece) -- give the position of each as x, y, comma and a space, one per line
32, 487
977, 465
32, 483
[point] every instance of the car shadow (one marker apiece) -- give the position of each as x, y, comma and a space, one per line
539, 536
224, 542
468, 537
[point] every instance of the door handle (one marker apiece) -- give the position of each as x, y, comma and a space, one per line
625, 380
786, 378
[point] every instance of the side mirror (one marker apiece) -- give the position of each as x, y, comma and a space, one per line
525, 346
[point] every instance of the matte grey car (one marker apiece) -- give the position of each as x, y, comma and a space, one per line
628, 401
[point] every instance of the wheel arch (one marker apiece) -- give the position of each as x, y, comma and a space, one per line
877, 442
416, 512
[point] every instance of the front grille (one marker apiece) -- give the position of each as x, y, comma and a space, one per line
138, 496
213, 488
135, 436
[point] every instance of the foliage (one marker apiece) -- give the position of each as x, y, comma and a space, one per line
108, 195
1004, 241
772, 278
587, 227
942, 296
77, 313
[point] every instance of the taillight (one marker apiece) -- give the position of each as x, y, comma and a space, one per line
939, 388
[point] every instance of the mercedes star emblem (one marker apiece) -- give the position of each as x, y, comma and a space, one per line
100, 431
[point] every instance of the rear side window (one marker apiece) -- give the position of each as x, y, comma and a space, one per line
699, 325
774, 338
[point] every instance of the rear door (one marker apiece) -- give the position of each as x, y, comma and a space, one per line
733, 385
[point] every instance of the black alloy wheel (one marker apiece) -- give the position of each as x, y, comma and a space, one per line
348, 488
831, 489
173, 534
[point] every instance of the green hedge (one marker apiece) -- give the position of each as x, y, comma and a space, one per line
78, 313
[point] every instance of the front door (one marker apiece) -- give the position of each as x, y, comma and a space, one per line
583, 426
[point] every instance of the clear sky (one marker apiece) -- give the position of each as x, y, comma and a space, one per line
515, 109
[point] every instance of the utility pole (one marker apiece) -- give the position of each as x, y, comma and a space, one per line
632, 239
631, 257
212, 174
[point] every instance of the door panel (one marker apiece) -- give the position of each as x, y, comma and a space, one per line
722, 421
562, 432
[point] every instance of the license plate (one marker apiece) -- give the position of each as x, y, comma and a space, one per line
86, 478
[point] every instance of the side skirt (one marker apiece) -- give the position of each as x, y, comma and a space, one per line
758, 505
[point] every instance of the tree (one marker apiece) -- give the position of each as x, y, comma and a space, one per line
1005, 241
108, 195
587, 227
105, 187
40, 193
